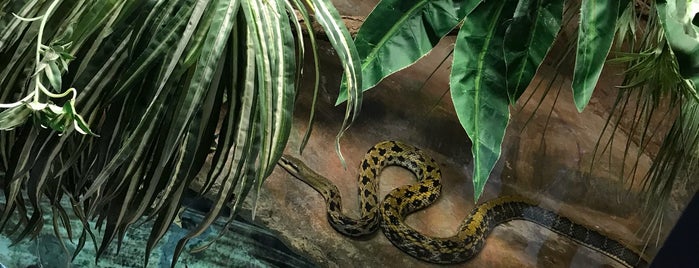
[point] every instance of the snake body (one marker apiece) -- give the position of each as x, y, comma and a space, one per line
470, 238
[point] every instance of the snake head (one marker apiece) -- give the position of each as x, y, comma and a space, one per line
291, 164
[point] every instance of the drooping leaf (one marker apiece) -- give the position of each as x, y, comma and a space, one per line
415, 28
595, 36
161, 43
13, 117
316, 82
528, 39
329, 18
479, 95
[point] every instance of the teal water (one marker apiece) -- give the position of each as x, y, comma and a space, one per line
245, 244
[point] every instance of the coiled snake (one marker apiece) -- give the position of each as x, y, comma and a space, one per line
404, 200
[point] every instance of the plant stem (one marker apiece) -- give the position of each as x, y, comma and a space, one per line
39, 36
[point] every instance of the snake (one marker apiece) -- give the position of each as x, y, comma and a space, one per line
470, 238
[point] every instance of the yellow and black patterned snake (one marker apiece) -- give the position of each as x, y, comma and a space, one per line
400, 202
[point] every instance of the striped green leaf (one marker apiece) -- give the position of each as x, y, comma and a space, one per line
328, 17
161, 43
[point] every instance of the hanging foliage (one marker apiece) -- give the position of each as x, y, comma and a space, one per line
115, 105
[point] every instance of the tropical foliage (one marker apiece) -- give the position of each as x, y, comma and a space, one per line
157, 86
114, 105
507, 41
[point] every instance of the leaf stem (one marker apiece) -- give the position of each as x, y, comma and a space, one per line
39, 36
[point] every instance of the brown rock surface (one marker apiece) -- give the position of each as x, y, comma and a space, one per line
550, 170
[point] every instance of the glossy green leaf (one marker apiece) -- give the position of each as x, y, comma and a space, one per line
528, 39
477, 88
595, 36
415, 28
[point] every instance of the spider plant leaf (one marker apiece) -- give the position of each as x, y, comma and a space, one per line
528, 39
276, 69
329, 18
23, 157
277, 88
110, 35
92, 18
194, 149
415, 28
15, 116
22, 55
150, 119
316, 81
479, 96
10, 33
235, 55
161, 44
81, 243
36, 183
595, 37
211, 54
627, 26
244, 134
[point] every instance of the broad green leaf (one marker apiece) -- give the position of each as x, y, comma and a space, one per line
397, 33
528, 39
595, 36
477, 88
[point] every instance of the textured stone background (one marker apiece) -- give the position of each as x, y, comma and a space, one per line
546, 159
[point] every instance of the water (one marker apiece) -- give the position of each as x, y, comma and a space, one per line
245, 245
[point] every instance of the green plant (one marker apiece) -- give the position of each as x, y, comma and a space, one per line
159, 80
507, 41
51, 61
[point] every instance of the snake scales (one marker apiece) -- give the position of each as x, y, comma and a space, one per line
404, 200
